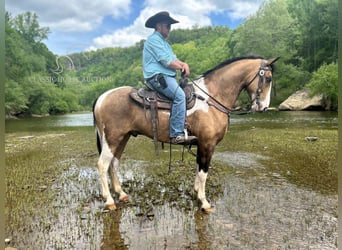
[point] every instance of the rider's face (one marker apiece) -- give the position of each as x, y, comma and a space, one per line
164, 29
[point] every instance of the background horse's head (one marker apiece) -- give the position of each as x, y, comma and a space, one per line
259, 89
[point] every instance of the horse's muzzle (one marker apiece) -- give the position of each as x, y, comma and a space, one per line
258, 107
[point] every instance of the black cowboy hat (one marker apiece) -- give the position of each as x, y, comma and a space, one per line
163, 16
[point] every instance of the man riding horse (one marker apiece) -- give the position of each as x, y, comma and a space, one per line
159, 69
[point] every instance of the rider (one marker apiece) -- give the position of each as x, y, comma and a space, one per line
159, 69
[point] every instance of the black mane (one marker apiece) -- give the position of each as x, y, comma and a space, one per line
229, 61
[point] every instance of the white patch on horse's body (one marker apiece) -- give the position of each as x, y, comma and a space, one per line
103, 97
200, 104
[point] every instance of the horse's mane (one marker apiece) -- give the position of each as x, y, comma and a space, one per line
229, 61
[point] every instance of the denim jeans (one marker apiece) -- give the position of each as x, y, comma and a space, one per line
178, 109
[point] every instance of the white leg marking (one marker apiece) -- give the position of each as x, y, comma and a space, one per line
103, 163
197, 181
115, 180
202, 177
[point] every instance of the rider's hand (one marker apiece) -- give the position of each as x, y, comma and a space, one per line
185, 69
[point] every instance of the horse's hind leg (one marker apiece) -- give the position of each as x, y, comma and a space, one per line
103, 164
115, 166
115, 180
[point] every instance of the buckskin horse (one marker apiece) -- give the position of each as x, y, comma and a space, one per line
117, 117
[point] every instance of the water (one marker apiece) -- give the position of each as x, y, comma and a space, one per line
263, 197
285, 119
50, 123
267, 119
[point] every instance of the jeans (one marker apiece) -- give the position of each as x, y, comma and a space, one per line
178, 109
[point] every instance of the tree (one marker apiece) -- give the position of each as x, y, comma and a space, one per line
27, 24
317, 22
270, 33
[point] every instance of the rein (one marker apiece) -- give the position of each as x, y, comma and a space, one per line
217, 104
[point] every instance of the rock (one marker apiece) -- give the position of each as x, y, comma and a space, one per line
311, 138
302, 100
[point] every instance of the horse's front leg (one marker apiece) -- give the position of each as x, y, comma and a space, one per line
115, 180
203, 162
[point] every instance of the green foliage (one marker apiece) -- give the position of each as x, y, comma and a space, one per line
30, 85
288, 78
325, 81
15, 99
317, 23
270, 33
302, 33
27, 24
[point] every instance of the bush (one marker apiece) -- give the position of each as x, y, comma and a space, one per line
324, 81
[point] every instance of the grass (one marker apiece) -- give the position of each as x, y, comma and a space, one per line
308, 164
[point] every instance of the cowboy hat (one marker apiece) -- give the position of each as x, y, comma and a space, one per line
163, 16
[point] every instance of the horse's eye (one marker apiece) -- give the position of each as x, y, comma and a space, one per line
268, 79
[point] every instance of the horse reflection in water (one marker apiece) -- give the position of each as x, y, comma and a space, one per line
117, 117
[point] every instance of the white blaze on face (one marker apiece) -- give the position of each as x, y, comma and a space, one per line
200, 104
263, 104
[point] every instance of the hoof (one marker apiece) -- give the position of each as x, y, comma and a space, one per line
111, 207
207, 210
124, 198
206, 207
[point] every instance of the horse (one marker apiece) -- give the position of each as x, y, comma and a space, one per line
117, 117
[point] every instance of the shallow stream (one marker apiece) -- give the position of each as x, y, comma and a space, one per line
269, 188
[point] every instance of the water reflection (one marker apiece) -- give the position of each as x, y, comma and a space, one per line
112, 238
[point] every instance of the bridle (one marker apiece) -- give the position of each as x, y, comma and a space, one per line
219, 106
262, 77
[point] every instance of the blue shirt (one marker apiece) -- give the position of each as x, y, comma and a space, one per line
157, 56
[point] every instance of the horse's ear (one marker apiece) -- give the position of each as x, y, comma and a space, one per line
272, 61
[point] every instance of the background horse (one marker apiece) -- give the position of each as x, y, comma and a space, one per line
117, 117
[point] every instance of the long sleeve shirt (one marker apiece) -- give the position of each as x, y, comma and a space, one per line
157, 56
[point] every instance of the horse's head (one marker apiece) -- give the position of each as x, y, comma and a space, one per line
259, 88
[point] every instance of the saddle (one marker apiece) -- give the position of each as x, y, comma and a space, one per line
150, 99
147, 97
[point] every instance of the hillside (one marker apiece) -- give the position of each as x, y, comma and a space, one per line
38, 82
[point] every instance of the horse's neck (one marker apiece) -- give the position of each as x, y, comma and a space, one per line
226, 84
225, 89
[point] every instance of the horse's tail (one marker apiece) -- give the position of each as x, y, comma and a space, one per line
98, 139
